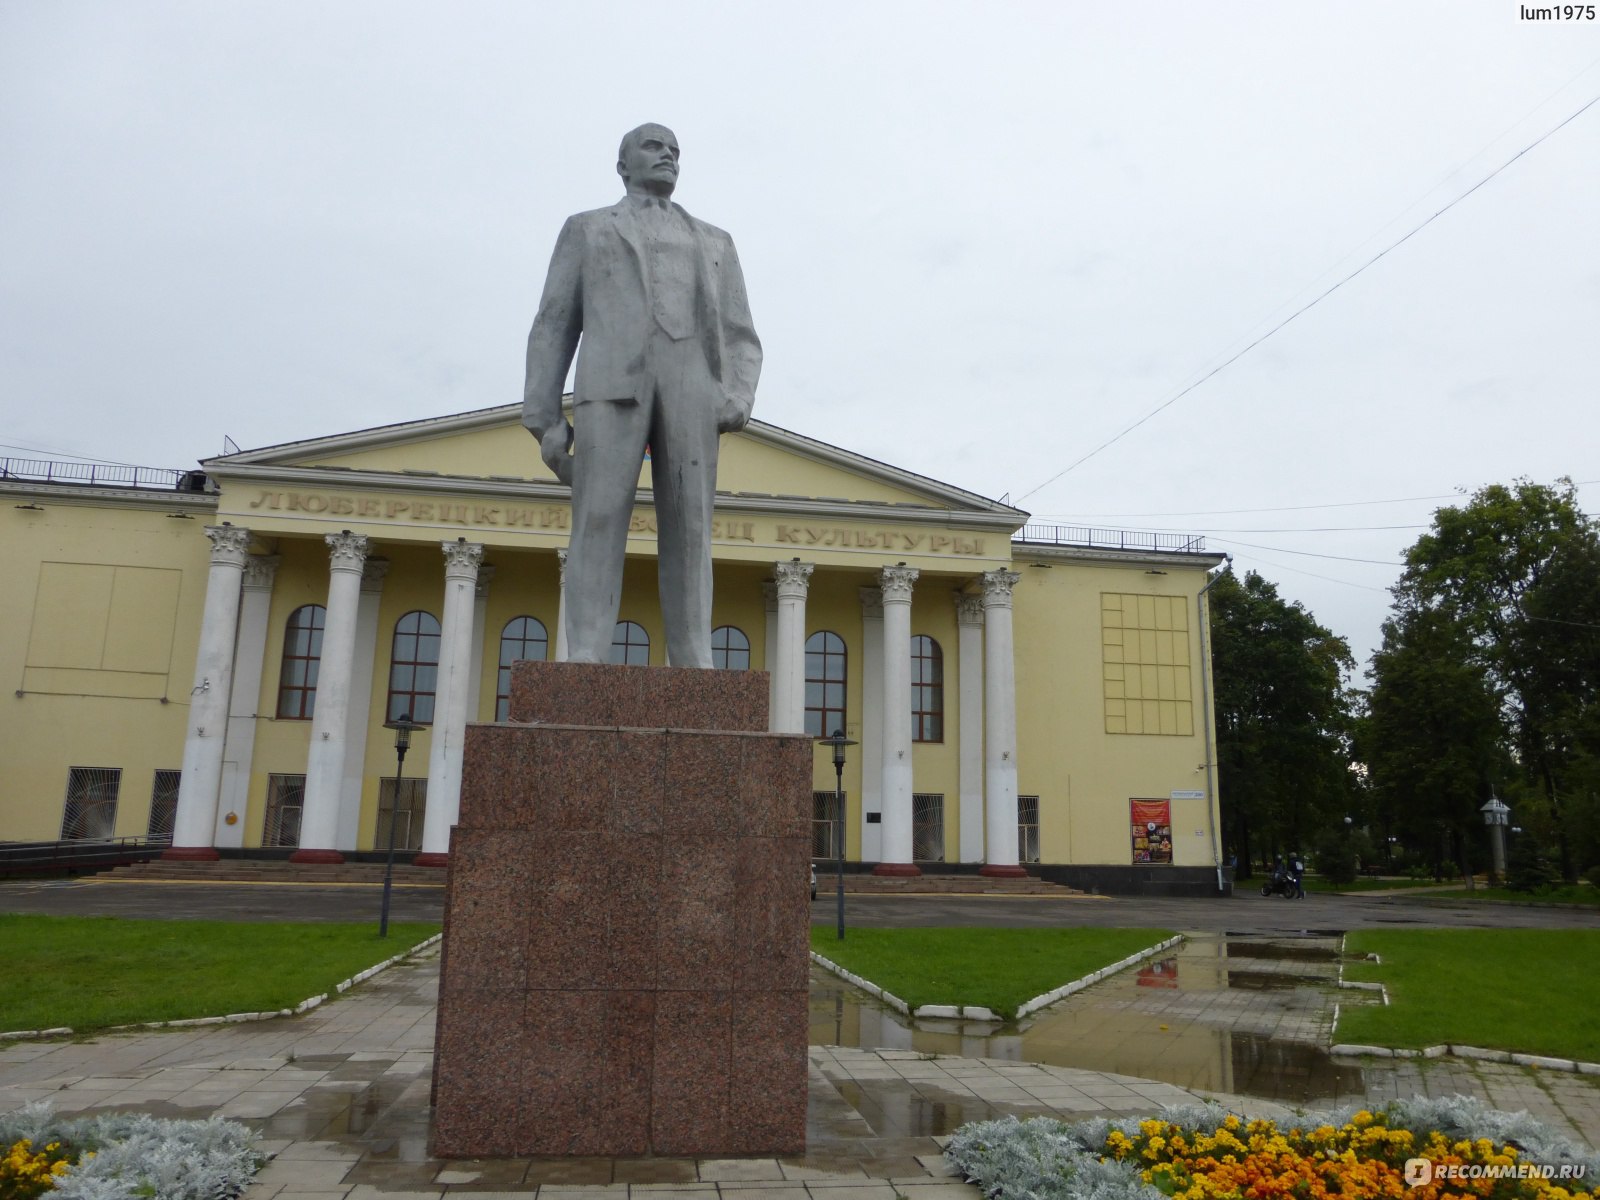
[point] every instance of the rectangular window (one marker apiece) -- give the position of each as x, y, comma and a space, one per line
285, 797
405, 817
1145, 664
1027, 829
927, 827
1151, 826
91, 808
164, 805
825, 825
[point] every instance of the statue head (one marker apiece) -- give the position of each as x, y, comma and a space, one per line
647, 160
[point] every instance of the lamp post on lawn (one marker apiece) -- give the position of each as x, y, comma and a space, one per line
402, 727
838, 741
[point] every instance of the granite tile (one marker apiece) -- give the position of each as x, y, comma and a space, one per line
499, 764
771, 914
625, 1084
567, 929
637, 776
573, 788
705, 699
694, 939
482, 1049
568, 693
560, 1087
700, 789
768, 1069
689, 1088
633, 909
775, 786
491, 872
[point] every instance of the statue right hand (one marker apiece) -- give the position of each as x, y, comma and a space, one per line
554, 448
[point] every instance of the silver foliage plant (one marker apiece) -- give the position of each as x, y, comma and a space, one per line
136, 1155
1041, 1158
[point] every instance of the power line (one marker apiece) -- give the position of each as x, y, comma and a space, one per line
1310, 304
1377, 562
1278, 566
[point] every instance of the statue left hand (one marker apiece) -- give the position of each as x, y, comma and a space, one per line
732, 416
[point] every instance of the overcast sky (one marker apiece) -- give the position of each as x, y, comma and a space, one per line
980, 239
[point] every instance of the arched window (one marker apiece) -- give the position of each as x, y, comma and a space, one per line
730, 649
414, 667
302, 655
523, 637
927, 690
630, 645
825, 676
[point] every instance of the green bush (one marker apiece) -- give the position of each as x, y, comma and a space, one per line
1593, 877
1336, 857
1528, 869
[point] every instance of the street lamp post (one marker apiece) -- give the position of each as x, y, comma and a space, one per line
402, 742
838, 741
1496, 815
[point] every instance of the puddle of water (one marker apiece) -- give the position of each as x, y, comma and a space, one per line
902, 1112
1170, 1019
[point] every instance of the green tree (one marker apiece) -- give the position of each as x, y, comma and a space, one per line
1515, 572
1283, 718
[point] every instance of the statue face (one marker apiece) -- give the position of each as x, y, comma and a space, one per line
650, 159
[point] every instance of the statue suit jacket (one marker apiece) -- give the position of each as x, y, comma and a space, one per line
597, 288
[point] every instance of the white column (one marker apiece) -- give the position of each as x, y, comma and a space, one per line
461, 561
200, 786
871, 723
789, 671
373, 572
999, 727
561, 610
330, 722
895, 583
480, 617
250, 649
969, 720
769, 596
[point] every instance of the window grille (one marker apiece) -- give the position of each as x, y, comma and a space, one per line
407, 816
825, 825
825, 681
630, 645
523, 638
285, 797
164, 805
1027, 829
302, 658
927, 690
91, 807
730, 649
927, 827
414, 668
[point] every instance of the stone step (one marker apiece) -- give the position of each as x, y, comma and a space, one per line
255, 870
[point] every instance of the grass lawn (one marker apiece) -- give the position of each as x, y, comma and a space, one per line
995, 968
1530, 990
1569, 894
90, 972
1316, 884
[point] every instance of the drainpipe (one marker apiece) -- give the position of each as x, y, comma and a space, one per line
1212, 803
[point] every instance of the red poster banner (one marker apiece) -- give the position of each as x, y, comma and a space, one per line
1151, 828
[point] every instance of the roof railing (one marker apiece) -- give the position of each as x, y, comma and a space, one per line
39, 470
1110, 539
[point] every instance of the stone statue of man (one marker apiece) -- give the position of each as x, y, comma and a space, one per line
652, 301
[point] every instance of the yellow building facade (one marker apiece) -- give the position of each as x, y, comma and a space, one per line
212, 657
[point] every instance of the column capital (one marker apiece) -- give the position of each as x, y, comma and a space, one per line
794, 578
230, 544
997, 587
871, 603
485, 578
373, 572
969, 609
895, 583
462, 558
346, 551
260, 570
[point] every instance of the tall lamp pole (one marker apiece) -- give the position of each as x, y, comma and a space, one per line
402, 742
838, 741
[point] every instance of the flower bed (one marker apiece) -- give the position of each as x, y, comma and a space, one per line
122, 1155
1421, 1149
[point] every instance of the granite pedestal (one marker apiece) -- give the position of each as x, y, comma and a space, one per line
626, 921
